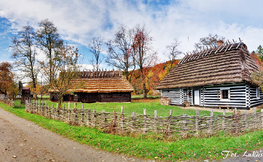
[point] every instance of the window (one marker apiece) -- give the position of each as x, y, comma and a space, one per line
225, 94
257, 93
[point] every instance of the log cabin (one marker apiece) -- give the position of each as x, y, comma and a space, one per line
219, 76
98, 86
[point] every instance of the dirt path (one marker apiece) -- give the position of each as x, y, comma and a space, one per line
22, 140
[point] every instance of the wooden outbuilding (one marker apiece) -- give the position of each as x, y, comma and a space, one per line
219, 76
26, 95
98, 86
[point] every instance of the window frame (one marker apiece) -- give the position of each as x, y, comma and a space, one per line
257, 93
228, 93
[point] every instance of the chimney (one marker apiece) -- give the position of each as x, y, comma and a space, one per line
220, 43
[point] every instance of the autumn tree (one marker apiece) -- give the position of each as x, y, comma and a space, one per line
260, 52
173, 53
64, 68
6, 77
119, 50
49, 41
24, 52
207, 41
95, 46
143, 53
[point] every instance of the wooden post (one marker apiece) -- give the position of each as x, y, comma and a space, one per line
132, 121
184, 124
262, 118
196, 122
94, 118
63, 114
69, 111
255, 118
88, 118
223, 119
169, 122
211, 122
144, 121
82, 114
155, 121
236, 120
246, 124
53, 112
103, 118
122, 120
57, 112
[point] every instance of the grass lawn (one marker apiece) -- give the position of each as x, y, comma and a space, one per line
148, 146
137, 106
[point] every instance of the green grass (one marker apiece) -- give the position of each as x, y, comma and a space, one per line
137, 107
146, 147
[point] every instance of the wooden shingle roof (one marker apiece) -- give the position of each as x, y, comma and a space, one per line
100, 82
221, 64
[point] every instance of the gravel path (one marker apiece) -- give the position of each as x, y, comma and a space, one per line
22, 140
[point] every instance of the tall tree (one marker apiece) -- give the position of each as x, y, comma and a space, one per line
24, 52
49, 41
6, 77
119, 50
143, 53
260, 52
210, 40
65, 70
173, 53
95, 46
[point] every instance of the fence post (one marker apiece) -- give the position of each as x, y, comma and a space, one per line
262, 118
75, 114
184, 124
82, 114
57, 112
223, 119
255, 118
94, 118
88, 118
144, 121
246, 124
63, 113
236, 120
169, 122
132, 121
122, 120
155, 121
53, 112
211, 122
196, 122
103, 118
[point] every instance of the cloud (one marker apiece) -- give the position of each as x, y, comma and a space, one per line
187, 20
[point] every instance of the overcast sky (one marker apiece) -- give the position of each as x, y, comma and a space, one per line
187, 20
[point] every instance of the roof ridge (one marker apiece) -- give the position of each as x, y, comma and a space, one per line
211, 49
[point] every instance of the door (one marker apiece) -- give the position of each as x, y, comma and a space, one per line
196, 97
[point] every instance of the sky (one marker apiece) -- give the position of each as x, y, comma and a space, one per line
186, 20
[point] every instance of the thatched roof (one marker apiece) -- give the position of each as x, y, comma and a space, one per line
227, 63
99, 82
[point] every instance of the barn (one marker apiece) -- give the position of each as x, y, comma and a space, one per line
98, 86
218, 76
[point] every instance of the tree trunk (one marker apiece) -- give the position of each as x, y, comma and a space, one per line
144, 91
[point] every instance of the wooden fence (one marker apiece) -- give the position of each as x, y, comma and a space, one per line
114, 122
7, 101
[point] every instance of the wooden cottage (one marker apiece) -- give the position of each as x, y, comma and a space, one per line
98, 86
216, 77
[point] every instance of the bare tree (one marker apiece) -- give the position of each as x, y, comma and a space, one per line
173, 52
64, 72
95, 46
143, 53
49, 41
24, 52
120, 50
210, 40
